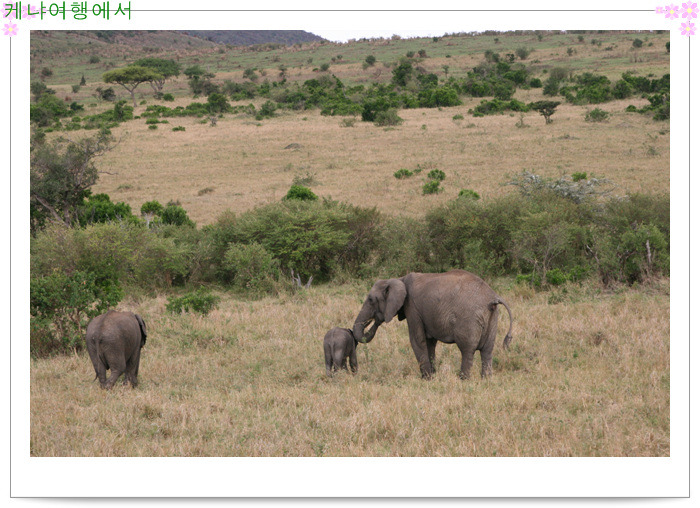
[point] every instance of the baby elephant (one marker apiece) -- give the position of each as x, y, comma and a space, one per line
114, 342
338, 345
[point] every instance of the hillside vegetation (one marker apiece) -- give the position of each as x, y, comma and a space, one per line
538, 160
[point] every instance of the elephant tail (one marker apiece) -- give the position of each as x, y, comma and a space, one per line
508, 337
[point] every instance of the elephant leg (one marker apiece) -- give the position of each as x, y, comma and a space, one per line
329, 359
420, 349
431, 343
132, 370
468, 341
339, 361
117, 366
100, 369
467, 351
489, 340
486, 360
353, 361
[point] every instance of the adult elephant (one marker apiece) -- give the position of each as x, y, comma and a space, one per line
114, 341
455, 307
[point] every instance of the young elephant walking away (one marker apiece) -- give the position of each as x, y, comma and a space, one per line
114, 342
339, 344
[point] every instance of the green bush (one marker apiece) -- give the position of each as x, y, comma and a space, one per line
622, 89
115, 253
532, 279
556, 277
431, 187
311, 237
250, 266
200, 301
597, 115
577, 177
496, 106
152, 207
47, 110
168, 97
402, 249
636, 255
61, 305
403, 173
99, 208
436, 174
218, 103
469, 194
438, 96
175, 215
551, 86
267, 110
387, 118
523, 52
300, 193
106, 94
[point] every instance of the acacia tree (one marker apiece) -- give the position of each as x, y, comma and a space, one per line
166, 68
546, 109
61, 174
130, 77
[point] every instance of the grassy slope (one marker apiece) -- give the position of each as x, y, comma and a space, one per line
588, 373
245, 162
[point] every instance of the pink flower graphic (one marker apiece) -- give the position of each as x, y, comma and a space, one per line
690, 10
26, 12
672, 11
659, 10
10, 29
688, 29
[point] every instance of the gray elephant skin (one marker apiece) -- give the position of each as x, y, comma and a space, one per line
339, 346
455, 307
114, 342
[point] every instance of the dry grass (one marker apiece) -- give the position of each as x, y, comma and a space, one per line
246, 164
588, 376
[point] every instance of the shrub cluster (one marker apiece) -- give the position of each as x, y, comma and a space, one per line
619, 240
496, 106
432, 185
200, 301
596, 115
548, 233
590, 88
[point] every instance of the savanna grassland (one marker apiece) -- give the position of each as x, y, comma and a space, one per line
587, 373
586, 376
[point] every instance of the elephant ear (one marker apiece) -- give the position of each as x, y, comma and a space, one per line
142, 325
395, 294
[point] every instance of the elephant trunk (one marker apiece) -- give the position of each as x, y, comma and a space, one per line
358, 329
